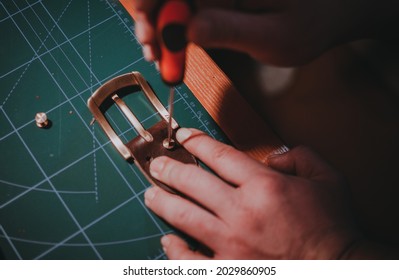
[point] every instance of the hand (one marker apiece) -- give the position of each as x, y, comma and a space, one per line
285, 33
296, 211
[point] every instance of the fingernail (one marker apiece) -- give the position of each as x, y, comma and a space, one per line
147, 53
183, 134
139, 30
165, 242
156, 167
149, 195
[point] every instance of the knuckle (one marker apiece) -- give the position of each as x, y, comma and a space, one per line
222, 152
184, 217
170, 170
199, 138
268, 184
207, 226
184, 174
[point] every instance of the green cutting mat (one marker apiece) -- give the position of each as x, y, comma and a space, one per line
65, 192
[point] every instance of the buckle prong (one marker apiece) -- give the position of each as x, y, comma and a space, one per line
110, 89
132, 118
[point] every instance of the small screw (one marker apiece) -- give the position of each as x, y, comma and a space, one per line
41, 120
168, 145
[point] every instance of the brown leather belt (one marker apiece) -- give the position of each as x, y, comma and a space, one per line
150, 143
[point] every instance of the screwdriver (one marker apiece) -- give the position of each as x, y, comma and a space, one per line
173, 18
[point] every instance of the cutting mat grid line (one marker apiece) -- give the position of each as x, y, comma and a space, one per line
68, 210
65, 192
20, 11
72, 216
61, 199
77, 95
90, 153
58, 46
36, 51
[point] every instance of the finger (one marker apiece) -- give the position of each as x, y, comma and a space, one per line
233, 30
186, 216
145, 5
230, 164
247, 5
196, 183
177, 249
145, 31
148, 53
303, 162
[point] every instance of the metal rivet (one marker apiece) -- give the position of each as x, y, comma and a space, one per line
168, 145
41, 120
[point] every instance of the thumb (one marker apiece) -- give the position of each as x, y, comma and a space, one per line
214, 28
303, 162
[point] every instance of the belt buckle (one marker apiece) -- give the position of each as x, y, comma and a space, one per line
149, 143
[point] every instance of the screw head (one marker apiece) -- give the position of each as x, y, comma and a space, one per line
41, 120
168, 145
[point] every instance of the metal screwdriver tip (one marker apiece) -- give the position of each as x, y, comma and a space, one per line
41, 120
169, 143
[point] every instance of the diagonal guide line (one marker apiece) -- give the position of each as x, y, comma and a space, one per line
73, 97
38, 164
69, 41
91, 90
98, 83
90, 225
88, 66
10, 242
109, 158
34, 187
52, 186
84, 123
20, 11
34, 51
51, 55
100, 147
57, 46
64, 74
65, 244
40, 190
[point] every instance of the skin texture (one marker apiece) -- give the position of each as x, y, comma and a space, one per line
284, 33
293, 209
296, 207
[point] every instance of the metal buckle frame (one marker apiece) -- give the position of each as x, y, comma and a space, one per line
109, 89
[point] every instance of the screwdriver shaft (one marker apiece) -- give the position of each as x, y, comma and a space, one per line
171, 105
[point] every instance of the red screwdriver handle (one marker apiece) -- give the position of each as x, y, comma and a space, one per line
173, 18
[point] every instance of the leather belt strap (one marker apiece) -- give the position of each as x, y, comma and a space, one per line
144, 152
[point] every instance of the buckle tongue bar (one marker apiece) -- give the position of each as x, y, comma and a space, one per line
149, 144
132, 118
110, 89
